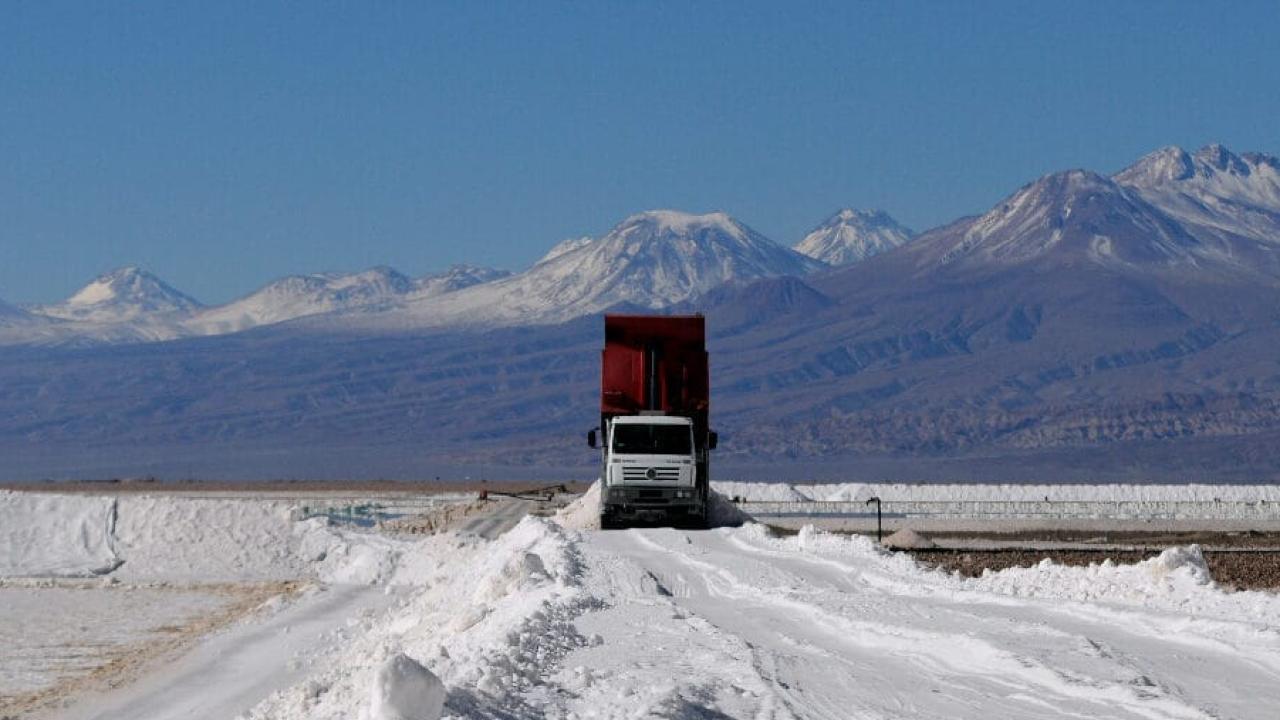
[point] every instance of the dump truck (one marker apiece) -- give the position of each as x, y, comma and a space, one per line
654, 436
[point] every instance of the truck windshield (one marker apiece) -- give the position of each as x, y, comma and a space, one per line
652, 439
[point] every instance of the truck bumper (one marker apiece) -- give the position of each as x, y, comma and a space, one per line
651, 504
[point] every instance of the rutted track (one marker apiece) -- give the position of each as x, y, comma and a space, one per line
869, 636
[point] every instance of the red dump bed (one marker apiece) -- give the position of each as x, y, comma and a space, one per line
656, 362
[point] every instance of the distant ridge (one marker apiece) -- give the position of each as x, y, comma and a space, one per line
303, 295
1211, 214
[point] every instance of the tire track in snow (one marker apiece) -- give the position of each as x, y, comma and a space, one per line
1146, 631
1139, 685
661, 660
801, 623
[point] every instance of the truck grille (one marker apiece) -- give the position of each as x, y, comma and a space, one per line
660, 474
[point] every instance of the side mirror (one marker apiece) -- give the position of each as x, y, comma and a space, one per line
713, 439
591, 438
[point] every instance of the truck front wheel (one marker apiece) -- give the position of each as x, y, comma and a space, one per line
694, 520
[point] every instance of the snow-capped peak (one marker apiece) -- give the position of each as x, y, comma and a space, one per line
1221, 159
1172, 164
651, 259
660, 257
676, 222
852, 235
1168, 164
121, 295
1073, 214
382, 279
1212, 190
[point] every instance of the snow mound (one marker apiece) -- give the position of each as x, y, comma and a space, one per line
760, 492
493, 622
149, 538
347, 557
908, 539
820, 542
184, 539
722, 512
1176, 579
208, 540
584, 513
405, 690
852, 492
55, 535
1187, 562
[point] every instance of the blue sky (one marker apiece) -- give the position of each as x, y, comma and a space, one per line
222, 145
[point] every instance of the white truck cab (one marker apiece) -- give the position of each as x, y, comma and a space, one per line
650, 468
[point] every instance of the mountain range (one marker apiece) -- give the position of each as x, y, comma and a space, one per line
650, 260
132, 305
1085, 327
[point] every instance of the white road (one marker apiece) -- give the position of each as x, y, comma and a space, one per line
501, 518
229, 673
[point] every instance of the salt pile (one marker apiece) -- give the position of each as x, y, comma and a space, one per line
183, 539
723, 513
492, 618
205, 539
760, 491
56, 535
583, 513
1187, 561
908, 539
405, 690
